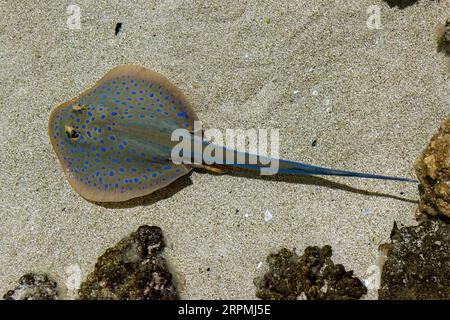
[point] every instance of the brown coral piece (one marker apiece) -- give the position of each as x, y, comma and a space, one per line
34, 286
313, 276
433, 172
132, 269
417, 265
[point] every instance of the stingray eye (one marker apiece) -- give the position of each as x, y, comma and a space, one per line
72, 133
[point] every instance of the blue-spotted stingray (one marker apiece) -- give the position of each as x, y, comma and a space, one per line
114, 140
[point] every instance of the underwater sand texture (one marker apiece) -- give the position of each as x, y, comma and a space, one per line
371, 99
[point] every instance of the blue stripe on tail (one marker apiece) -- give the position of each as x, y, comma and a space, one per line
299, 168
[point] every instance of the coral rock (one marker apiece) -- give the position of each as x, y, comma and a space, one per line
313, 276
132, 269
417, 265
433, 172
34, 287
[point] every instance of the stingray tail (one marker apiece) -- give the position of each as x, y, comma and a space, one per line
269, 166
299, 168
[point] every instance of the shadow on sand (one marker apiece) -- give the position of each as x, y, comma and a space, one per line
186, 181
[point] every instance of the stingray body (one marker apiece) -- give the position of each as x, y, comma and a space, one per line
114, 140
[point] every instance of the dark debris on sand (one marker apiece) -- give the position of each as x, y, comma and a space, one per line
132, 269
313, 276
34, 286
418, 262
401, 4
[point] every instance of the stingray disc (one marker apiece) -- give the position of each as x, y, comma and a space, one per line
113, 140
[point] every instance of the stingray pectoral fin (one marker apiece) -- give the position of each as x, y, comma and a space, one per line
133, 187
141, 73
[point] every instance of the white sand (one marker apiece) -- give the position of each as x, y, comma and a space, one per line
371, 98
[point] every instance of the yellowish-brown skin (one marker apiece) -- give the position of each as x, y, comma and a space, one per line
433, 171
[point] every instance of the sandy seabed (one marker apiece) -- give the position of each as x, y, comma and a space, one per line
371, 98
